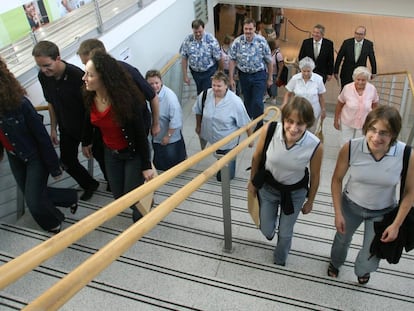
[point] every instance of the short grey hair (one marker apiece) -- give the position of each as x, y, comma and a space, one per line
321, 28
306, 62
361, 71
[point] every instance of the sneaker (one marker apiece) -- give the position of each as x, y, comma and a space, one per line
55, 230
273, 102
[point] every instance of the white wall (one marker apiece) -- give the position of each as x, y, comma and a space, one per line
402, 8
152, 36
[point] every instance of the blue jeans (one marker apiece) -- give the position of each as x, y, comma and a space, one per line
31, 177
272, 91
253, 87
124, 174
64, 197
354, 215
203, 79
271, 212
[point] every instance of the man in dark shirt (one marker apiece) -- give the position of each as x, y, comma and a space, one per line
61, 83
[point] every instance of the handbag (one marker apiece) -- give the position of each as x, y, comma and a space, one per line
258, 180
319, 131
145, 204
392, 251
283, 78
254, 208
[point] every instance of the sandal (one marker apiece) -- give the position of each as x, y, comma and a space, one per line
332, 271
74, 208
364, 279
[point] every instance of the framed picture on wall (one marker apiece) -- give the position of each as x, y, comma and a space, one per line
36, 14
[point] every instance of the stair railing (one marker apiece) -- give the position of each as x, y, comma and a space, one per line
396, 89
18, 267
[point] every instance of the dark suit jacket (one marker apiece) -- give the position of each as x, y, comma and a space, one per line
325, 61
347, 54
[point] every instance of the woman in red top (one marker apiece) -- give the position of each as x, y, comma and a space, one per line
113, 104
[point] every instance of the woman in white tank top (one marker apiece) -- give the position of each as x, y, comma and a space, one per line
284, 191
374, 164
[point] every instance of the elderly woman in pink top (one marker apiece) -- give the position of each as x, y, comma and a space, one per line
356, 100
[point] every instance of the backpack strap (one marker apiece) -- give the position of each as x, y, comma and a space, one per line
270, 131
406, 160
203, 101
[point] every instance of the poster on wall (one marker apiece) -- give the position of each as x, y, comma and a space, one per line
31, 16
36, 14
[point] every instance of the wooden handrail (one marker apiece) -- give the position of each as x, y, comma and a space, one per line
395, 73
67, 287
19, 266
171, 63
42, 108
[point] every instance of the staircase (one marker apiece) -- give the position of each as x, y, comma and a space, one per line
181, 265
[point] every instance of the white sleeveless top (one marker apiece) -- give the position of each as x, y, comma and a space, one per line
371, 183
288, 165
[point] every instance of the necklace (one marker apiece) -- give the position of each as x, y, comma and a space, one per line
102, 100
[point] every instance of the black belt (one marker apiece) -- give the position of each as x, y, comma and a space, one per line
120, 151
252, 72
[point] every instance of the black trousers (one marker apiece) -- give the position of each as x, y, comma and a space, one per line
69, 149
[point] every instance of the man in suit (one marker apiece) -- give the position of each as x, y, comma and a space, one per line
353, 53
321, 50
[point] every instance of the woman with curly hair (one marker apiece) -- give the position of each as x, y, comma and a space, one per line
113, 105
31, 154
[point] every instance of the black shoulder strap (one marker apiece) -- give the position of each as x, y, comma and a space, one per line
406, 160
269, 135
203, 101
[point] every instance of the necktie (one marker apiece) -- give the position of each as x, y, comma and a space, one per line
358, 47
316, 49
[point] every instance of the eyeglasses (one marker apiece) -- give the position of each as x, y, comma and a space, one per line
383, 134
359, 33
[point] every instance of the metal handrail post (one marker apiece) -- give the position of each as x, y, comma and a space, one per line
98, 16
225, 196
